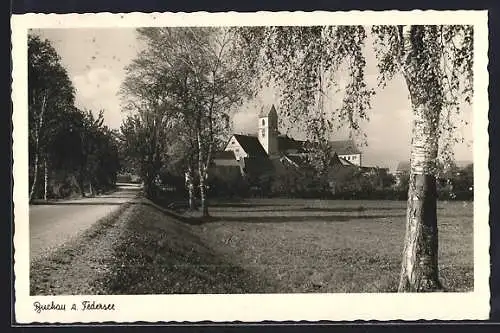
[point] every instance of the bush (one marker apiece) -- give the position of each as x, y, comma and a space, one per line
61, 186
124, 178
221, 187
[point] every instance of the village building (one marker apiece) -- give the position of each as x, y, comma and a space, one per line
268, 153
268, 142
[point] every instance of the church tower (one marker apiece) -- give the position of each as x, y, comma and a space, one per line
268, 130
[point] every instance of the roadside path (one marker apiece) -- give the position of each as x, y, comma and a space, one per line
53, 224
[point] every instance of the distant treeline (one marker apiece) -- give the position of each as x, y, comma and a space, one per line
71, 151
456, 184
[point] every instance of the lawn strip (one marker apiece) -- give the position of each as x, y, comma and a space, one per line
158, 254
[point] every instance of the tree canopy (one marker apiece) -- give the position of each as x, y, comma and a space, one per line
190, 78
73, 147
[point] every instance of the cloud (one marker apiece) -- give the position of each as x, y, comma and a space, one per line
95, 83
245, 122
97, 89
95, 60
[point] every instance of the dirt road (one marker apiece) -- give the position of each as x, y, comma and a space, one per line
53, 224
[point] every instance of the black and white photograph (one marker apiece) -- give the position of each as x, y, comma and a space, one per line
287, 166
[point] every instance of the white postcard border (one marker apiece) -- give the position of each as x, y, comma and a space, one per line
254, 307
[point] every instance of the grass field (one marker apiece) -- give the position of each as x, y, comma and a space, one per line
334, 246
253, 246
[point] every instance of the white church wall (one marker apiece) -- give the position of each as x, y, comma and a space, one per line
233, 145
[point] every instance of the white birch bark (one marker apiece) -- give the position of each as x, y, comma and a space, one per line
419, 269
202, 174
190, 186
46, 179
38, 130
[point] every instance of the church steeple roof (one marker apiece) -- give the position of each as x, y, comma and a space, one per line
266, 112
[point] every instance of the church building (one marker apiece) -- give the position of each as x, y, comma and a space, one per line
263, 152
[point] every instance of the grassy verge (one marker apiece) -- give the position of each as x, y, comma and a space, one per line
157, 254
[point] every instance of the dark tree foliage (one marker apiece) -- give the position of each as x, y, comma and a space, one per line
180, 90
72, 147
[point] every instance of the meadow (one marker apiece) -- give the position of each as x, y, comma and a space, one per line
253, 246
334, 246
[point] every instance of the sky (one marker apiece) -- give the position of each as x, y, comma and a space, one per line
96, 61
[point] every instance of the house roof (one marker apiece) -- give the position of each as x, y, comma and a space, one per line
344, 147
297, 160
303, 162
339, 161
224, 155
250, 145
285, 143
341, 147
286, 165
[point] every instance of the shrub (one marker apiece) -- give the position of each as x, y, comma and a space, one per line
124, 178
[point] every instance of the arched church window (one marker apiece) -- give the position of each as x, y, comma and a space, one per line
263, 122
263, 132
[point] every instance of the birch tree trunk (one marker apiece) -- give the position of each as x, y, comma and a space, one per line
38, 130
190, 186
202, 174
203, 197
46, 178
419, 269
35, 176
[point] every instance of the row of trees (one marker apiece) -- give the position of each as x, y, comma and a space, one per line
70, 149
454, 183
179, 91
187, 79
347, 183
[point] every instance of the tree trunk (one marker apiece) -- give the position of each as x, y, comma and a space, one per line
202, 177
46, 179
35, 177
190, 186
38, 128
81, 184
419, 270
203, 198
148, 182
191, 197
